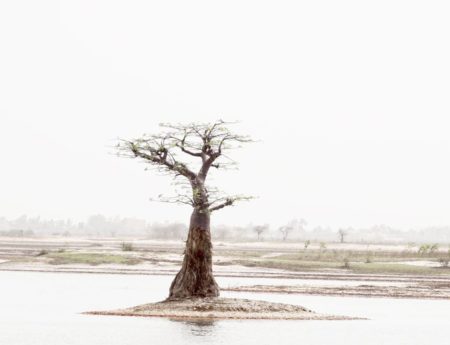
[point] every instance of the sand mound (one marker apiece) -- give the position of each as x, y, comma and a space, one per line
221, 308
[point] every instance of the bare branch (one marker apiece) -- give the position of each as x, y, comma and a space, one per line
156, 154
230, 201
182, 144
195, 154
207, 141
179, 199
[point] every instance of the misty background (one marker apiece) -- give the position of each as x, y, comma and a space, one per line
352, 113
292, 231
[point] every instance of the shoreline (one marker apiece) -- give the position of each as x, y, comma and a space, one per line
219, 308
261, 274
420, 288
364, 291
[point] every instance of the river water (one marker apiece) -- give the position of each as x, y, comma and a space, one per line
45, 308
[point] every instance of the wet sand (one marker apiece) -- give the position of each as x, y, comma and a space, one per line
221, 308
423, 291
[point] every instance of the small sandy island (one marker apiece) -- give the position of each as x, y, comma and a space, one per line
221, 308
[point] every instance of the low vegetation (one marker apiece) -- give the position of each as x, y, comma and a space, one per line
127, 247
356, 261
62, 258
309, 256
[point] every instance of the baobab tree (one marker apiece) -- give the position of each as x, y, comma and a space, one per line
188, 152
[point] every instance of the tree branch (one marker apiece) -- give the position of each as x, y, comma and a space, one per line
181, 145
229, 201
208, 141
159, 157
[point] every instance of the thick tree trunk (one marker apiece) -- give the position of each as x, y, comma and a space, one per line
195, 278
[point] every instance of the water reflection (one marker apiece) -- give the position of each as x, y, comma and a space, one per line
199, 327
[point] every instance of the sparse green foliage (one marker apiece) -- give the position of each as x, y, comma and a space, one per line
428, 249
368, 255
423, 249
90, 259
306, 244
434, 248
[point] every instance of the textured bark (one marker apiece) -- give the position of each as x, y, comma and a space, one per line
195, 279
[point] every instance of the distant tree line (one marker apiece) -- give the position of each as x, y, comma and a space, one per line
291, 231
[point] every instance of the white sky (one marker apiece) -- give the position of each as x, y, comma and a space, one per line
350, 100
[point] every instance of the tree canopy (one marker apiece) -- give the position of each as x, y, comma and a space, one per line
188, 152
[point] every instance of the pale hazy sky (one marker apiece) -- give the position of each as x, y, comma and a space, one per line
350, 100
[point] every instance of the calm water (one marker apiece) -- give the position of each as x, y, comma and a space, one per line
44, 308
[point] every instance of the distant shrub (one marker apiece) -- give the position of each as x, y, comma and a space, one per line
42, 252
444, 262
127, 247
346, 263
307, 243
423, 249
428, 249
434, 248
